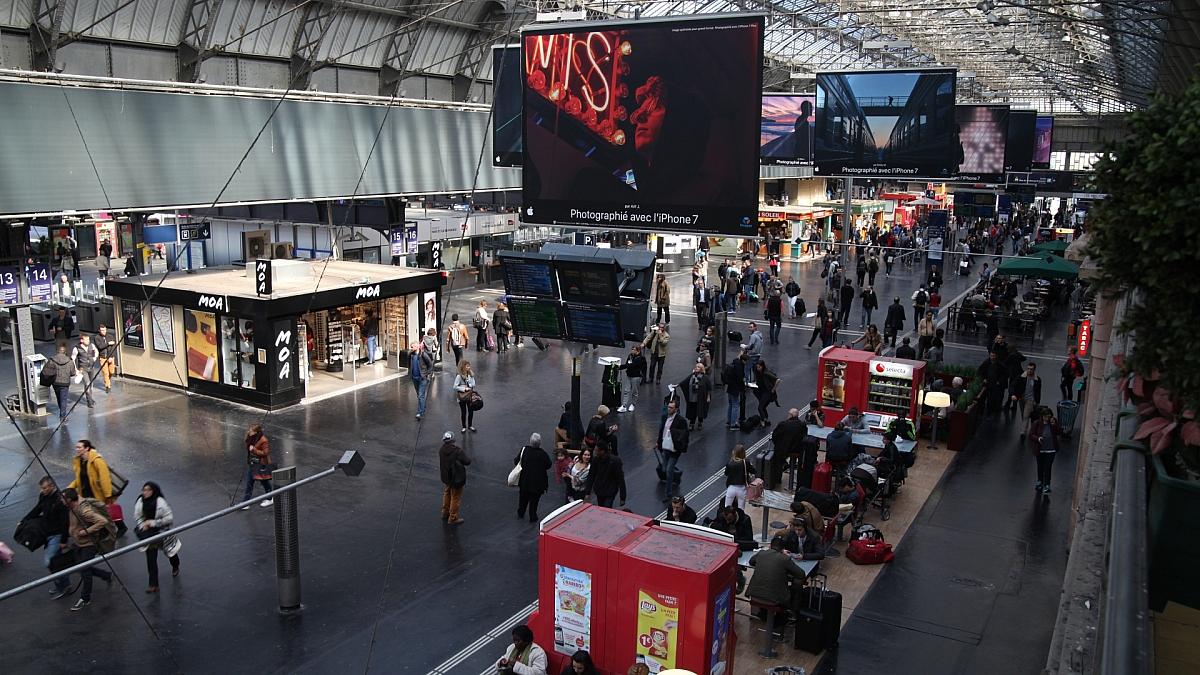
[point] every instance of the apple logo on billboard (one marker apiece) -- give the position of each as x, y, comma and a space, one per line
746, 222
529, 210
879, 368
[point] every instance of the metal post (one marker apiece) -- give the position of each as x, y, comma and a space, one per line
847, 215
576, 402
287, 543
720, 346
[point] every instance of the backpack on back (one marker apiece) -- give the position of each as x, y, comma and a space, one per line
106, 540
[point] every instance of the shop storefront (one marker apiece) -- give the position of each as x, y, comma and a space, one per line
866, 213
210, 332
788, 224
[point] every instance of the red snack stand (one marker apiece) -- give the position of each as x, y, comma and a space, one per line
630, 590
853, 378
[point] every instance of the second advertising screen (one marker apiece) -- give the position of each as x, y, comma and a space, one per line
650, 125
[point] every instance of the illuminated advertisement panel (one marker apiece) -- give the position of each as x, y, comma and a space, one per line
786, 134
649, 125
886, 124
982, 136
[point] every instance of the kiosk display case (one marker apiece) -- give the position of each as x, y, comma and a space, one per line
852, 378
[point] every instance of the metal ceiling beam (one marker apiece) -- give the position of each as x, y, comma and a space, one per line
45, 35
396, 57
314, 26
194, 38
470, 63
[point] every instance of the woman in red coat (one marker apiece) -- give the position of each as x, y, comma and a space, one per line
258, 463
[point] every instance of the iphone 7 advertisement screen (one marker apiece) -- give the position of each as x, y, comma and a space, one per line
647, 125
786, 135
886, 124
982, 135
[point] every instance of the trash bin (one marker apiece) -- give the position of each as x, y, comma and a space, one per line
87, 313
41, 316
1067, 412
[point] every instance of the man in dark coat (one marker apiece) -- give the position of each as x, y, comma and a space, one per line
847, 299
788, 439
533, 483
733, 521
995, 381
894, 323
802, 540
772, 571
49, 518
606, 478
696, 391
452, 465
671, 443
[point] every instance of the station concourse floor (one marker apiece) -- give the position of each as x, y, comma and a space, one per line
386, 587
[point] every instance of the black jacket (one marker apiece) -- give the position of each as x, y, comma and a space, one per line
994, 373
679, 433
688, 515
895, 317
788, 436
1016, 387
839, 446
738, 472
734, 377
535, 464
634, 366
597, 428
452, 464
52, 512
869, 300
812, 544
847, 295
906, 352
702, 391
742, 530
607, 476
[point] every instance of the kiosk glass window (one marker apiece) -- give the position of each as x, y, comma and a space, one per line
200, 337
237, 352
833, 385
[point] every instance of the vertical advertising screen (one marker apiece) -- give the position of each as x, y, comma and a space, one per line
647, 125
506, 105
886, 124
1043, 133
1018, 151
786, 133
982, 135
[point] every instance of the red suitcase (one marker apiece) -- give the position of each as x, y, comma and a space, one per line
822, 480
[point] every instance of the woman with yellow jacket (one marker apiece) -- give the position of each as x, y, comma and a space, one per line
93, 480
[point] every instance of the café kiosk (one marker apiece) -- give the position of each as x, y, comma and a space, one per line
630, 589
274, 338
880, 387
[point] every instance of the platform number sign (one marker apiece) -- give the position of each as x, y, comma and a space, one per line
40, 283
10, 285
262, 276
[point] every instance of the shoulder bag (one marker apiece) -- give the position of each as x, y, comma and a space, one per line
514, 476
754, 488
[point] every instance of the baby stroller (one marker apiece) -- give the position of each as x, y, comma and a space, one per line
879, 486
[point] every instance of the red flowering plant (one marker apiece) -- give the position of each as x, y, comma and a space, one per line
1167, 426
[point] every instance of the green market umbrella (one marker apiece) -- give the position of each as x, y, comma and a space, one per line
1055, 246
1039, 267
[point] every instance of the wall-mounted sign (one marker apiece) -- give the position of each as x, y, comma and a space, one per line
131, 322
262, 277
282, 351
396, 238
435, 254
1084, 338
216, 303
41, 286
163, 329
10, 285
195, 231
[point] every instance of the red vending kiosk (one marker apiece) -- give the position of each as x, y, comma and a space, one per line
852, 378
578, 551
673, 601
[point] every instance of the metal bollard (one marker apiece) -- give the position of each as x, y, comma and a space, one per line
287, 542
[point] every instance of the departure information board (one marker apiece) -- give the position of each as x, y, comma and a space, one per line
593, 324
587, 281
536, 318
529, 274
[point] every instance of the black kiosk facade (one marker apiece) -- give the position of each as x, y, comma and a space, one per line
213, 333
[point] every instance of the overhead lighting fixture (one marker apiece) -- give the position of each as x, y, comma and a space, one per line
1066, 37
802, 76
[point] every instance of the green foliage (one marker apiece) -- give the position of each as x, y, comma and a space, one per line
1144, 236
968, 397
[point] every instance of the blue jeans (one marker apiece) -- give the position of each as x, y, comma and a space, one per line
750, 366
866, 316
250, 482
53, 542
371, 342
776, 326
670, 459
60, 396
734, 408
422, 387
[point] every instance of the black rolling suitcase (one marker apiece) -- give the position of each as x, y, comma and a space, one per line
810, 632
828, 604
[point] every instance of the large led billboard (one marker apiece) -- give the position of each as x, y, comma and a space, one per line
506, 105
1043, 133
886, 124
646, 125
786, 133
982, 135
1018, 151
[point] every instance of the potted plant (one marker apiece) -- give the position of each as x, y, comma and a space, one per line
1144, 243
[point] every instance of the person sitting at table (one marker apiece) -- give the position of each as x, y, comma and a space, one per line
848, 492
856, 422
788, 438
839, 447
680, 512
733, 521
802, 541
773, 570
903, 427
890, 459
815, 416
